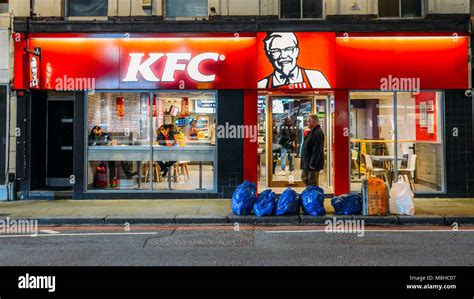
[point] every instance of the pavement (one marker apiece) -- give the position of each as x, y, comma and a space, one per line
432, 211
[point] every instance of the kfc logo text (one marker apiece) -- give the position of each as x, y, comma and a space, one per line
174, 62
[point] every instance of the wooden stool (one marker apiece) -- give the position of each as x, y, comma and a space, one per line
156, 172
183, 168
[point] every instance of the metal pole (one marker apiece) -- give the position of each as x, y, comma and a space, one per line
150, 119
395, 115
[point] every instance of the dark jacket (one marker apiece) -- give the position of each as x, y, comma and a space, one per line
287, 136
313, 150
104, 139
162, 140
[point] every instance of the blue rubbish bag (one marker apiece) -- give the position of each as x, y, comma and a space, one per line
288, 203
347, 204
312, 200
264, 204
244, 198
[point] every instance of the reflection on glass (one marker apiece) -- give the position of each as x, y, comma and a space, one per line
176, 130
418, 159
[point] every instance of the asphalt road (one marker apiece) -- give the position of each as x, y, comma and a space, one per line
249, 246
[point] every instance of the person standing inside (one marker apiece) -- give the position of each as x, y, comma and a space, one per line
287, 136
312, 155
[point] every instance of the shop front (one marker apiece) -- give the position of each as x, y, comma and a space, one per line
193, 115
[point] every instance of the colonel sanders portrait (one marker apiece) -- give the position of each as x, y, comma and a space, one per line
282, 50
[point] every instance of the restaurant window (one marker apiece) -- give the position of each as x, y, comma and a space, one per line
301, 9
186, 8
400, 8
3, 6
163, 141
92, 8
398, 137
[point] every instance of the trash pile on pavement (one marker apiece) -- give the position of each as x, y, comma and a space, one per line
376, 199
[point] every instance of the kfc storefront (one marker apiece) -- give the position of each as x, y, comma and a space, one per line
192, 115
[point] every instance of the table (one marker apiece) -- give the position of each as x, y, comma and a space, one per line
389, 160
195, 153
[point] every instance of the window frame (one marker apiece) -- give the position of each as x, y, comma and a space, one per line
422, 15
85, 143
442, 137
323, 12
181, 18
65, 11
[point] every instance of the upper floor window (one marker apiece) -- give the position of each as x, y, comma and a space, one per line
186, 8
301, 9
3, 6
400, 8
92, 8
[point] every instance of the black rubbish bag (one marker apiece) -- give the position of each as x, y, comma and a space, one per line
347, 204
244, 198
288, 203
312, 200
265, 203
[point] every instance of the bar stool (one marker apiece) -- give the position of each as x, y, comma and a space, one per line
156, 172
182, 167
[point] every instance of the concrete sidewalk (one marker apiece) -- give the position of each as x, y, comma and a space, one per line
433, 211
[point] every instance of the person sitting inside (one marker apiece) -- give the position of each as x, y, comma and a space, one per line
193, 131
165, 137
98, 137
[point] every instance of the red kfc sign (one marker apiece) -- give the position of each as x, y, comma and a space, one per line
145, 61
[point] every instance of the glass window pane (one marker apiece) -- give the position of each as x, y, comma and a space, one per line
184, 139
411, 8
372, 133
87, 7
118, 140
420, 142
290, 9
186, 8
312, 9
3, 6
389, 8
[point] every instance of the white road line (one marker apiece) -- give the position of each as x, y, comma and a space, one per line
77, 235
49, 231
372, 230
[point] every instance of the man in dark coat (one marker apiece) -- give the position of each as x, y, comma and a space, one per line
312, 156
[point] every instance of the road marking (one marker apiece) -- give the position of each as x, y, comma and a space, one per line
77, 234
49, 231
370, 230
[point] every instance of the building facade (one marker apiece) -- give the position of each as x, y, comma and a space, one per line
228, 79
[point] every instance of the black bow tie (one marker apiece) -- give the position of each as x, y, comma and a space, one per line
287, 77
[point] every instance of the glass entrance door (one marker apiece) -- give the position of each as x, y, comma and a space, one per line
286, 130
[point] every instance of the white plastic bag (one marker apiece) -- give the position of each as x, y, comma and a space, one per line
401, 199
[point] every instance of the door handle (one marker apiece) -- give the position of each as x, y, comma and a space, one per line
66, 148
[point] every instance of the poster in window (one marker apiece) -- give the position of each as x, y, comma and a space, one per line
423, 121
431, 129
120, 107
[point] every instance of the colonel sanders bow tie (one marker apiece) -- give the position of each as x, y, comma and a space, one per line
287, 78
